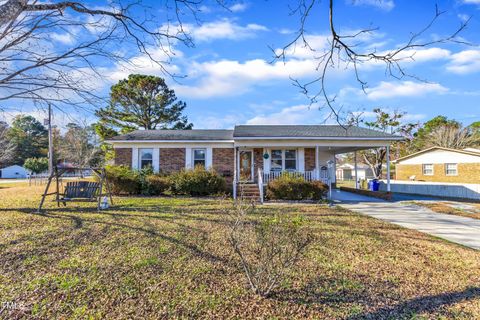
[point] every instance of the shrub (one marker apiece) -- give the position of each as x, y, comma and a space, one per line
268, 251
158, 184
291, 187
123, 180
36, 165
197, 182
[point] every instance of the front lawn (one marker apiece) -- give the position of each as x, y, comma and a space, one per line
154, 258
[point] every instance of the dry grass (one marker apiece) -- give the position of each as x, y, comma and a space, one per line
464, 209
161, 258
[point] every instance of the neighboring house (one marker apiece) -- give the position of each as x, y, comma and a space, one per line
248, 151
346, 171
14, 172
439, 164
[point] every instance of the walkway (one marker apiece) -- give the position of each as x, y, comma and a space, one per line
462, 230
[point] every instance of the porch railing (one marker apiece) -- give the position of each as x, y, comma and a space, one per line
307, 175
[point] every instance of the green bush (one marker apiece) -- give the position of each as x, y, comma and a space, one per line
291, 187
36, 165
123, 180
197, 182
158, 184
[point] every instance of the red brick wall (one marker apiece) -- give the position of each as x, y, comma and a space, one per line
223, 162
257, 160
172, 159
123, 156
309, 159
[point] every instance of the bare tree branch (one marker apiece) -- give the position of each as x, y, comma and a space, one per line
35, 66
343, 52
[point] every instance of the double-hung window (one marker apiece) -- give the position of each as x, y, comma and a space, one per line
145, 157
276, 163
283, 160
451, 169
199, 157
427, 169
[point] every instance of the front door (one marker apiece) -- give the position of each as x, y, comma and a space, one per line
246, 165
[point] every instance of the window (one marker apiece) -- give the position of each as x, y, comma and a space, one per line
283, 160
451, 169
146, 158
199, 157
276, 163
290, 160
428, 169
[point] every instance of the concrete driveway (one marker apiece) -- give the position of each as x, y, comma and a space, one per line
462, 230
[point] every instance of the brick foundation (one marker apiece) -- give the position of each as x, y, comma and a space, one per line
172, 159
123, 157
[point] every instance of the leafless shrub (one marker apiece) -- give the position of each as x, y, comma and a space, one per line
268, 247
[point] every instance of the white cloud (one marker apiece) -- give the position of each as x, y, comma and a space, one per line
223, 29
231, 77
471, 1
299, 114
387, 90
65, 38
463, 17
463, 62
386, 5
238, 7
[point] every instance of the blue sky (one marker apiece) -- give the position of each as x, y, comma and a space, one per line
231, 79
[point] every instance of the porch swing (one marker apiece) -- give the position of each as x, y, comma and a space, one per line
78, 191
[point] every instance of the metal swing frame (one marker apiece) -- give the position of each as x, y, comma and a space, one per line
96, 195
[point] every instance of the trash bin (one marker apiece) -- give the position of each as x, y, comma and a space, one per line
374, 185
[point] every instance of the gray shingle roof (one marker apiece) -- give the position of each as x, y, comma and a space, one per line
292, 131
176, 135
255, 131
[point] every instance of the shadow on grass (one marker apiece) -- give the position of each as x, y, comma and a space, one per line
78, 222
419, 305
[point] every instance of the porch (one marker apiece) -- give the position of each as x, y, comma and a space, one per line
256, 166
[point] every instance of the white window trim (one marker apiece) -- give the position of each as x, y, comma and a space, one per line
423, 169
283, 157
451, 174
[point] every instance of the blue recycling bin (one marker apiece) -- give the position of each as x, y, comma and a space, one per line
374, 185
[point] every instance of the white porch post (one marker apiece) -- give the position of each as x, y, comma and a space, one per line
301, 160
356, 169
235, 168
317, 163
388, 168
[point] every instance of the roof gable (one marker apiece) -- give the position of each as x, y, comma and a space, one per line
433, 149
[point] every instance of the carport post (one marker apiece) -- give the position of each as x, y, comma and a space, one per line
356, 169
388, 168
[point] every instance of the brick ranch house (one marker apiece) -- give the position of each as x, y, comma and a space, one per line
439, 164
248, 154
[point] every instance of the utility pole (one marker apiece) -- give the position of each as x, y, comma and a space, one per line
50, 140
